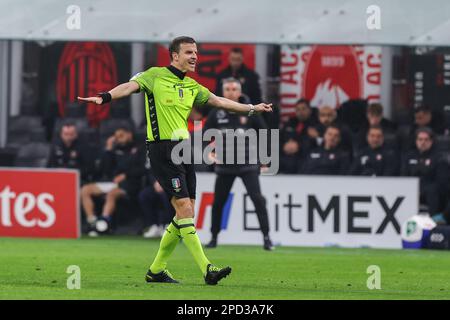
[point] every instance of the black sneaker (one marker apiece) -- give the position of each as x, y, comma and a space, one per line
268, 244
214, 274
163, 276
212, 243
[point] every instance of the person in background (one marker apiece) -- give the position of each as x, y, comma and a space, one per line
237, 69
375, 159
374, 116
329, 158
423, 118
68, 152
228, 172
328, 116
155, 206
196, 122
122, 166
294, 139
426, 163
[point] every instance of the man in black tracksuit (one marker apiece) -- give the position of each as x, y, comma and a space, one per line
426, 163
248, 78
295, 136
375, 159
327, 116
68, 152
374, 117
424, 117
227, 173
329, 158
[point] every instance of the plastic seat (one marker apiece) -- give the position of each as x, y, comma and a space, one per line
33, 155
443, 143
391, 141
7, 157
23, 123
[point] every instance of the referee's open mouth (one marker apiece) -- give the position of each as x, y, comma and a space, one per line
192, 63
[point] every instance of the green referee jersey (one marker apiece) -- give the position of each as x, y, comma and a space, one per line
169, 97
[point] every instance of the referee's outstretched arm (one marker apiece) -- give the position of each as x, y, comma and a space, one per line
122, 90
230, 105
127, 88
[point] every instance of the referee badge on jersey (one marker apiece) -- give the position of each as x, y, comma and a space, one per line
176, 184
180, 93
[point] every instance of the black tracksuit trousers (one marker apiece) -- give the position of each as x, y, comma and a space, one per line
222, 188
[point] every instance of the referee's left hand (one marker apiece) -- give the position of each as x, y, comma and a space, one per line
96, 100
263, 107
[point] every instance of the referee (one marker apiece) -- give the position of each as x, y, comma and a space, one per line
247, 171
169, 97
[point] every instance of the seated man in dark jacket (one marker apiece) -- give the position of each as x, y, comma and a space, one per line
424, 117
294, 137
329, 158
327, 116
68, 152
374, 117
426, 163
375, 159
122, 166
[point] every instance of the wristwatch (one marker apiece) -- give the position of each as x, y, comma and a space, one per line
252, 110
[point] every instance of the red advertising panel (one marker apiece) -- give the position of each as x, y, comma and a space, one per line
328, 75
334, 71
212, 58
39, 203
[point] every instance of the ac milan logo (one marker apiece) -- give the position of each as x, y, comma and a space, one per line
86, 68
332, 76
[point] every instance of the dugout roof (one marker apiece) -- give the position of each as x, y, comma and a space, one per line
403, 22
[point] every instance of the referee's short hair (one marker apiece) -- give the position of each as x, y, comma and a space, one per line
175, 44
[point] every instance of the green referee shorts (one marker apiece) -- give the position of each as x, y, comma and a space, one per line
177, 180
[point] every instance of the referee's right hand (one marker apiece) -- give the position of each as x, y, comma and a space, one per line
96, 100
263, 107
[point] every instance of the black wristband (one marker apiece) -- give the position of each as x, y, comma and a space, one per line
106, 97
